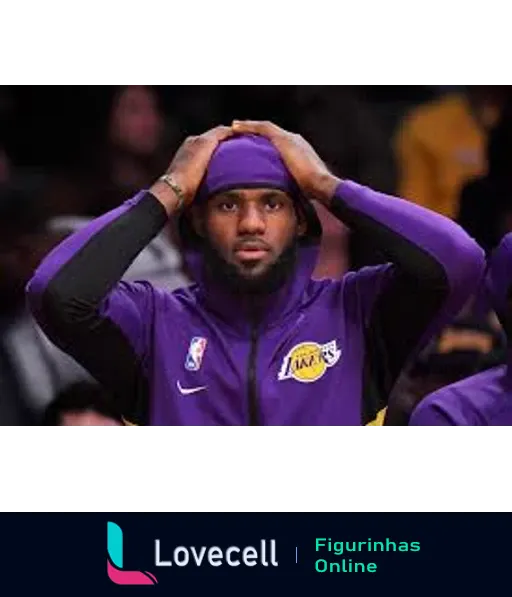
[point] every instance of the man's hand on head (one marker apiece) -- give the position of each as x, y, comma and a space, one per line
309, 171
188, 168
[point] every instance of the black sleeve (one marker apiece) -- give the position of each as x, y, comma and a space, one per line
81, 304
416, 291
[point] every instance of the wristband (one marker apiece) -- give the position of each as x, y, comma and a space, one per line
167, 178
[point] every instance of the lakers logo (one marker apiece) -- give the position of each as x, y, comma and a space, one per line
308, 362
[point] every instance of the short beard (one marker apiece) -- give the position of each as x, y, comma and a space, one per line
217, 269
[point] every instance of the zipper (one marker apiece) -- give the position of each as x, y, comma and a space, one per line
251, 377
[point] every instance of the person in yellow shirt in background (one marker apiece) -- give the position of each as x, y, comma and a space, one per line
441, 145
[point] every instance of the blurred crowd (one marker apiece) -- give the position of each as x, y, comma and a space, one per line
70, 154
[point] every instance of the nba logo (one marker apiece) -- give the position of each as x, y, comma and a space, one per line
195, 354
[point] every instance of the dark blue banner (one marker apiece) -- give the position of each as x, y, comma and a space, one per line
338, 554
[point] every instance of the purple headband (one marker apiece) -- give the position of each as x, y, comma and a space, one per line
246, 161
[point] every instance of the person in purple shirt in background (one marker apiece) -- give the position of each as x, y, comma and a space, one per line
255, 340
486, 398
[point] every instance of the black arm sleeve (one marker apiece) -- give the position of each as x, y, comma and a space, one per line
424, 288
78, 300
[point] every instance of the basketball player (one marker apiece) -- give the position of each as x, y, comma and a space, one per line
255, 341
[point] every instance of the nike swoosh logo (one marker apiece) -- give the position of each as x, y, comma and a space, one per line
189, 391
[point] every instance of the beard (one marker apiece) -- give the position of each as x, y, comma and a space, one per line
228, 275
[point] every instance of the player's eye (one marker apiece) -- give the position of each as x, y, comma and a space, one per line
227, 205
273, 204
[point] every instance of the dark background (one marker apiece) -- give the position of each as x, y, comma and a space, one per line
45, 125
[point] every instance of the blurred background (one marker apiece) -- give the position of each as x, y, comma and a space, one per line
69, 154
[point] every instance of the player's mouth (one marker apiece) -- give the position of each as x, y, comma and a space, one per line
251, 251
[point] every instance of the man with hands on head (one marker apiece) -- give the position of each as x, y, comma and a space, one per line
255, 341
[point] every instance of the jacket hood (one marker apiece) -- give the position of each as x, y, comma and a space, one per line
242, 162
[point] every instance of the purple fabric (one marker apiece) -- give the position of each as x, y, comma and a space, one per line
486, 398
483, 399
246, 161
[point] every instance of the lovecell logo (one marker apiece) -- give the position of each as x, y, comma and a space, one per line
116, 573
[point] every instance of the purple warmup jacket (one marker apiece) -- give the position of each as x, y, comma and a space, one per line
313, 353
486, 398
